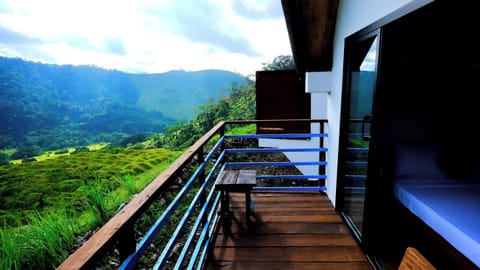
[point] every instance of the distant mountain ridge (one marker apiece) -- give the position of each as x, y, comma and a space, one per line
185, 90
41, 103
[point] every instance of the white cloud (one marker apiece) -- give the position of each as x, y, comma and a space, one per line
144, 35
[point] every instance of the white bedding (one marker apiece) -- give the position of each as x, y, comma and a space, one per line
449, 207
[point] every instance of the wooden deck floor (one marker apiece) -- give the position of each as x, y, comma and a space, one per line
289, 230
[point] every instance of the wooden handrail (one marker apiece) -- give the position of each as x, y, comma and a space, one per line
120, 227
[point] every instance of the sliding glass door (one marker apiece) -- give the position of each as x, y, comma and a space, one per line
359, 90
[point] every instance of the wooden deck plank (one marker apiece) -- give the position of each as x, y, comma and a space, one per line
290, 202
296, 240
290, 254
292, 217
284, 205
274, 210
306, 198
288, 230
226, 265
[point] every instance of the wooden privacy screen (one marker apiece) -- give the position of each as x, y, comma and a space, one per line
281, 95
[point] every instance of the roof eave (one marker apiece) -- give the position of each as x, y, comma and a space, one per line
311, 28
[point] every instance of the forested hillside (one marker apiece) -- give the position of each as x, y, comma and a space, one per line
52, 106
67, 196
240, 104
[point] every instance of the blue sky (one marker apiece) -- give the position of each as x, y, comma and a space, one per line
146, 36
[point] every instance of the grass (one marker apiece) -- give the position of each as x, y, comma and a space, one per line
36, 185
55, 153
237, 130
246, 129
39, 245
46, 205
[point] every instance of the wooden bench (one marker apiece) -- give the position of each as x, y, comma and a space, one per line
236, 181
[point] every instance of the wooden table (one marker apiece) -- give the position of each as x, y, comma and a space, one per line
236, 181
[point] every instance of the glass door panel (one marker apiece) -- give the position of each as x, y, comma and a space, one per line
358, 115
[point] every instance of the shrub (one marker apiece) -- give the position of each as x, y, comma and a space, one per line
61, 151
140, 137
25, 152
30, 159
81, 149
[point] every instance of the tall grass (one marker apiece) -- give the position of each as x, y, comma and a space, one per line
39, 245
130, 183
48, 236
97, 198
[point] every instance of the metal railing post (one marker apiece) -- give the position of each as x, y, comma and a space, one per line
222, 133
126, 241
322, 154
201, 175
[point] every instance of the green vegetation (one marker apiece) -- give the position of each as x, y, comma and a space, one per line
356, 142
50, 200
25, 152
55, 107
4, 159
46, 205
57, 183
41, 244
54, 153
240, 104
281, 62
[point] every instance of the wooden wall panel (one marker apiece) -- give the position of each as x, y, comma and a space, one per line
281, 95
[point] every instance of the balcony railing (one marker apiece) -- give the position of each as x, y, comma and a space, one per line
193, 212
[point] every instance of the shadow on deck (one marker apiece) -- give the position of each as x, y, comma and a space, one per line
288, 230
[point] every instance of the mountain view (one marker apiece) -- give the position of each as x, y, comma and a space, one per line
77, 143
55, 106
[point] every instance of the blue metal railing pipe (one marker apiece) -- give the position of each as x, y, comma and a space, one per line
278, 136
276, 164
275, 150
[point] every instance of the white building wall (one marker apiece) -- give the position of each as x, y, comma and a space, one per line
352, 16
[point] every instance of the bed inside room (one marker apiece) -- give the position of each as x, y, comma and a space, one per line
443, 192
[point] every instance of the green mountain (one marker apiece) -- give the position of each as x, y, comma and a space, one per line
178, 94
53, 106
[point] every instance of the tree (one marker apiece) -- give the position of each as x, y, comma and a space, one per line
240, 104
281, 62
4, 159
25, 152
139, 137
80, 149
6, 142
